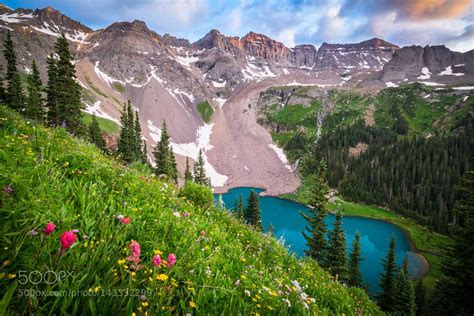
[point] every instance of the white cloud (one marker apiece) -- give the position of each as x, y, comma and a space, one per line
235, 20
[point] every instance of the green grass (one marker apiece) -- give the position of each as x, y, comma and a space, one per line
206, 111
119, 87
77, 187
106, 125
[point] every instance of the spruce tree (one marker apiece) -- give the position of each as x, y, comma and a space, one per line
34, 100
200, 176
95, 134
144, 157
336, 256
252, 213
420, 298
137, 141
387, 297
124, 147
161, 153
188, 176
15, 98
68, 90
52, 93
2, 88
453, 291
315, 231
355, 258
405, 292
173, 171
239, 209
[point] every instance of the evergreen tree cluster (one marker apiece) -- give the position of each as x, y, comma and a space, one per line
130, 146
414, 176
397, 294
62, 105
199, 175
164, 156
250, 215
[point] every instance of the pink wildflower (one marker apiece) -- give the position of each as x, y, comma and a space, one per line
186, 214
135, 247
156, 260
48, 230
171, 259
125, 220
67, 239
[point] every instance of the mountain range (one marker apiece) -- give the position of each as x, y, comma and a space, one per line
172, 79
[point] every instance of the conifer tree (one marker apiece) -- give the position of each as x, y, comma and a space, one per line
405, 292
164, 156
252, 213
315, 231
15, 98
144, 157
239, 209
336, 256
137, 141
271, 230
200, 171
453, 292
34, 100
188, 176
68, 90
95, 134
386, 299
420, 298
173, 172
355, 276
2, 88
52, 93
124, 147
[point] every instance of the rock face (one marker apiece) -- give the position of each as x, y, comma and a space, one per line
167, 77
354, 58
428, 63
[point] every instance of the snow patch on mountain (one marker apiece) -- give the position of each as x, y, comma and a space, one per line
97, 110
449, 72
15, 17
425, 74
191, 150
281, 154
391, 84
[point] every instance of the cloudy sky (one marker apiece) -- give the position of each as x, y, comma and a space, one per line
402, 22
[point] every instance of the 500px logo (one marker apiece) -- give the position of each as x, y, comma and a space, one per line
46, 277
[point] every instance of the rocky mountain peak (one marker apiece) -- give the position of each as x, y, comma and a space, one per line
170, 40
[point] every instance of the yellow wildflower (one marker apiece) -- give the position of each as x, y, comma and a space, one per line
132, 274
12, 276
158, 252
145, 304
243, 277
121, 261
66, 164
162, 277
192, 304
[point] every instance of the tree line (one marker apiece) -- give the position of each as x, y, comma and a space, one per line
59, 104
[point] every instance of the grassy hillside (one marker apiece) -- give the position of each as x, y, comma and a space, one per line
105, 125
222, 267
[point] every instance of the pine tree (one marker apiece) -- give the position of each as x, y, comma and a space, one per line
453, 292
34, 100
137, 141
420, 298
14, 94
95, 134
315, 233
144, 157
68, 90
52, 89
188, 176
271, 230
386, 298
124, 147
2, 88
239, 209
336, 257
200, 171
173, 172
252, 213
164, 156
405, 292
355, 258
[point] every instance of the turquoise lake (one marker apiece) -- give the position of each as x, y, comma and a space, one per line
288, 224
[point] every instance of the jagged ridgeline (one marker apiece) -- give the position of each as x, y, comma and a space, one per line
219, 265
404, 148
